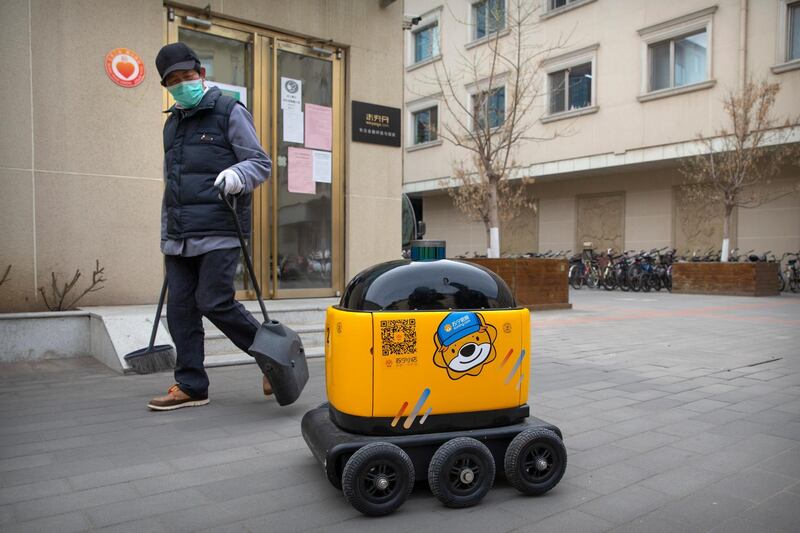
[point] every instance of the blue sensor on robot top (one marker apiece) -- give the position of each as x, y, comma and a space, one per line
425, 250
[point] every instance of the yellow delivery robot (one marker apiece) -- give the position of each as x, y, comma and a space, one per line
426, 366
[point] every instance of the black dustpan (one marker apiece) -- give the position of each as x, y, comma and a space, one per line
277, 349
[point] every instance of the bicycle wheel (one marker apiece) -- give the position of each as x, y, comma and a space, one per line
575, 277
794, 283
592, 278
635, 279
609, 280
781, 282
623, 282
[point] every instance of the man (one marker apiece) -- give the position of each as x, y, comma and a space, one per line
210, 144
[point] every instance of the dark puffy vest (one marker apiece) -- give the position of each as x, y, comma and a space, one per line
196, 150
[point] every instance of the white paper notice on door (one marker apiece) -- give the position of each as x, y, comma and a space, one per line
293, 126
291, 94
300, 171
321, 166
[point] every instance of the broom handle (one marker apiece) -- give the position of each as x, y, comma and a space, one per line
247, 261
158, 314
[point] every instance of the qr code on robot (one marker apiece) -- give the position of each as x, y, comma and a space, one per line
399, 337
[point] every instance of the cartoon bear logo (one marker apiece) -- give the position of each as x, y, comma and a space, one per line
464, 344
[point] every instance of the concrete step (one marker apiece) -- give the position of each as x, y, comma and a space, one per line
217, 343
305, 316
241, 358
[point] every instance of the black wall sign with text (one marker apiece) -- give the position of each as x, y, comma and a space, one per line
376, 124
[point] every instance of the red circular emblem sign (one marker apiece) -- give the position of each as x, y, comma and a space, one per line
124, 67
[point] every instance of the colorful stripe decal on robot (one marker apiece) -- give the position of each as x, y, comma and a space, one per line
519, 383
516, 366
410, 420
505, 359
425, 416
399, 414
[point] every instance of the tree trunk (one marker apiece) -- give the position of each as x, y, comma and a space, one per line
726, 234
494, 220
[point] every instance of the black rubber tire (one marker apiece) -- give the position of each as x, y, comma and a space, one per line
794, 285
635, 277
592, 278
575, 277
365, 468
609, 281
523, 453
447, 467
781, 283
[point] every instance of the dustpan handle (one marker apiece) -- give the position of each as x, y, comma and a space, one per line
250, 270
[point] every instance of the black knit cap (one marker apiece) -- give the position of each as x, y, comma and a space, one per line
176, 56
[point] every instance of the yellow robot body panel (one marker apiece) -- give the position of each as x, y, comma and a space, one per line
482, 368
411, 365
348, 361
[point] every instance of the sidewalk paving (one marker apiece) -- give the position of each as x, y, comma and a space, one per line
679, 412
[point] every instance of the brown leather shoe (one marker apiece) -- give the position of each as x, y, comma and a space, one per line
267, 387
175, 399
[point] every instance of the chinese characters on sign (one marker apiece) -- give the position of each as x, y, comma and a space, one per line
376, 124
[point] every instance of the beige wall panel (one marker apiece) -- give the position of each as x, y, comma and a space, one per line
648, 219
18, 293
556, 223
83, 218
444, 222
15, 83
697, 226
521, 234
601, 221
372, 233
83, 121
771, 227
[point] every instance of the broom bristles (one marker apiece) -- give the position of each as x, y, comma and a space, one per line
149, 362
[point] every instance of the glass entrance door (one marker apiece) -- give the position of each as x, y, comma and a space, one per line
306, 224
294, 91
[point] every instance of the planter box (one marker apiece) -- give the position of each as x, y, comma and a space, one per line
736, 279
538, 284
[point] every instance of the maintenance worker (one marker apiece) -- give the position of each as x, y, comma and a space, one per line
210, 144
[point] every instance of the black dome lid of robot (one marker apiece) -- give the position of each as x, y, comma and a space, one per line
426, 285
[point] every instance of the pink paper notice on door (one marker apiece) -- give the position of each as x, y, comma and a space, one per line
300, 172
319, 127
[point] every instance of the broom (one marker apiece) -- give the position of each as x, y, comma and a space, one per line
153, 358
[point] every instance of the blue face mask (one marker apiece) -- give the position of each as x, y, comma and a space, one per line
188, 93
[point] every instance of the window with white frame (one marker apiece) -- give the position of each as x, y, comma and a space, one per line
489, 108
426, 42
793, 31
555, 4
679, 61
426, 124
571, 81
488, 16
570, 88
676, 54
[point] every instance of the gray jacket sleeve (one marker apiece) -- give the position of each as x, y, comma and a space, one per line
254, 166
164, 208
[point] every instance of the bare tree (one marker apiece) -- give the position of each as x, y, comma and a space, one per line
739, 161
58, 295
503, 78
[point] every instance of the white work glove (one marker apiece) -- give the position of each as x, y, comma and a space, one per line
229, 182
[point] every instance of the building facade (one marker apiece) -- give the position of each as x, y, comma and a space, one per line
81, 155
626, 94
